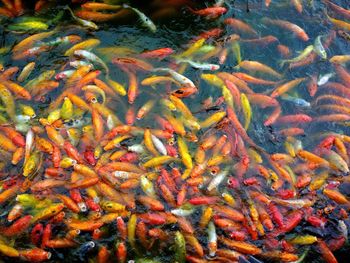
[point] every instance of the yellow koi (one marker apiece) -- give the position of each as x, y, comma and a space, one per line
48, 212
247, 110
147, 138
117, 87
159, 160
226, 93
66, 109
303, 240
132, 229
236, 49
115, 142
27, 110
213, 119
213, 80
8, 100
184, 153
87, 44
193, 48
111, 206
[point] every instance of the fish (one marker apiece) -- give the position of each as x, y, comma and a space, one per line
278, 91
323, 79
210, 12
136, 136
201, 66
240, 26
178, 77
340, 59
246, 110
339, 23
319, 49
338, 9
306, 52
297, 101
145, 20
28, 26
257, 66
91, 57
295, 29
83, 22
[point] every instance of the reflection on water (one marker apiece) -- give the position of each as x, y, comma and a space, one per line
149, 131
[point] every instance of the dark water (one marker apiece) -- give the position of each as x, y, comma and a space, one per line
175, 29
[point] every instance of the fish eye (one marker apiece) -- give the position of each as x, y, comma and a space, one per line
69, 122
230, 182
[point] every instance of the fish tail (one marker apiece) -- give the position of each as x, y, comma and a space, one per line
237, 67
282, 62
191, 9
260, 149
70, 11
326, 14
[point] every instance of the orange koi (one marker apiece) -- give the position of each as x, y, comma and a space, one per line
29, 41
5, 12
35, 254
284, 51
273, 117
286, 87
133, 63
14, 136
210, 12
239, 128
100, 6
254, 66
241, 84
262, 41
240, 246
7, 144
240, 26
96, 16
17, 227
339, 10
133, 87
47, 184
343, 74
313, 158
332, 118
18, 90
98, 124
253, 80
295, 29
297, 5
157, 53
262, 101
299, 118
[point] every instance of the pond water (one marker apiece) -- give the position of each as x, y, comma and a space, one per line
173, 131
